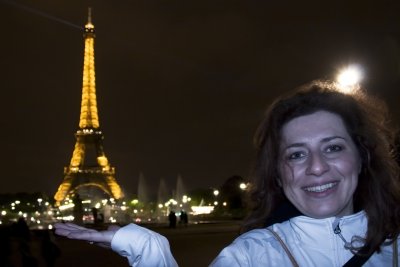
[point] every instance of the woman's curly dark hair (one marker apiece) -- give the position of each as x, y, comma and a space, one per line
366, 120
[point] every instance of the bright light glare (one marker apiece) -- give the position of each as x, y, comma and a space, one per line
349, 78
243, 186
202, 209
68, 206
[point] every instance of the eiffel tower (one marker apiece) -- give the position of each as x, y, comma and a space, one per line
89, 173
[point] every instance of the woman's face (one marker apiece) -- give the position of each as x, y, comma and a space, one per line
319, 165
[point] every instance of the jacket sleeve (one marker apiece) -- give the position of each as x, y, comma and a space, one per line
231, 256
142, 247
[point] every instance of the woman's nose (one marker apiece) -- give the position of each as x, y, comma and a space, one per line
316, 164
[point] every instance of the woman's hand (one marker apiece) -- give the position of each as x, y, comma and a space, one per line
73, 231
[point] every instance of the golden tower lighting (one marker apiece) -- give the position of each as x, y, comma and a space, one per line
89, 166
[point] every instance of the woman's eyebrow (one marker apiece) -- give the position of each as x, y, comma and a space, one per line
327, 139
324, 140
295, 145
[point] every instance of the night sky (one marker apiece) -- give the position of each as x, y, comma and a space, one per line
181, 84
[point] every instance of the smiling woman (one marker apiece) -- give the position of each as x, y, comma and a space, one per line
325, 191
334, 153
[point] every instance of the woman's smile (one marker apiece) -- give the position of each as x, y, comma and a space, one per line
320, 188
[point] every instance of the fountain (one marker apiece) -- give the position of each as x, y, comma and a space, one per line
143, 195
162, 195
180, 189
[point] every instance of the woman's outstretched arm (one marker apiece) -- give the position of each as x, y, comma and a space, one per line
73, 231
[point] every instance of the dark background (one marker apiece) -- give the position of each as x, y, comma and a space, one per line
181, 84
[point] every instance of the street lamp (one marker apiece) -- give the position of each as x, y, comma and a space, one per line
216, 192
243, 186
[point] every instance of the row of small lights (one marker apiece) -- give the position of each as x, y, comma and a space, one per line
69, 204
25, 215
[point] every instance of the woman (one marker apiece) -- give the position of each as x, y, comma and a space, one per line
326, 190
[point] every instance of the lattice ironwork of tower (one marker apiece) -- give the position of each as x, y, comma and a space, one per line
89, 171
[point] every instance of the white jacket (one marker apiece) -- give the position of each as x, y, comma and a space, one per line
311, 241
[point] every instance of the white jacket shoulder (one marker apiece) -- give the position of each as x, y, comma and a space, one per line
143, 247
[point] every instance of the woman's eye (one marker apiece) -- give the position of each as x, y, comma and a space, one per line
296, 155
334, 148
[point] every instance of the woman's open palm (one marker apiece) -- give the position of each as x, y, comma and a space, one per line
73, 231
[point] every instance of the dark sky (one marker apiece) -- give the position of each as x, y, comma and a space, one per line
181, 85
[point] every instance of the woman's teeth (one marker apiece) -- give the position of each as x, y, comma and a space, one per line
320, 188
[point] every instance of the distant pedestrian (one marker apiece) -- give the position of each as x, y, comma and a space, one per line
101, 218
78, 210
172, 219
95, 216
184, 218
21, 230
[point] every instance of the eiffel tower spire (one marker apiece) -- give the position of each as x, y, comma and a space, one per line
89, 116
89, 166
